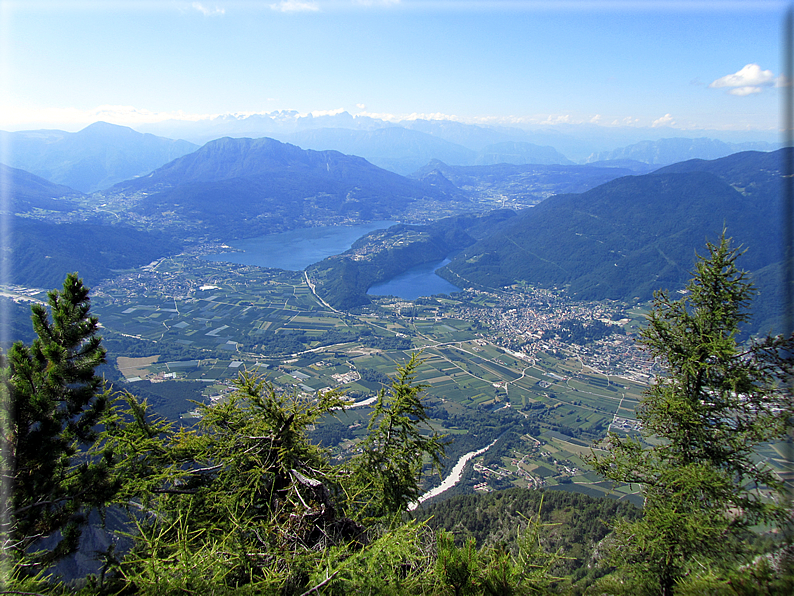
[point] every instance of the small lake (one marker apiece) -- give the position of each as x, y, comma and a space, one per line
417, 281
297, 249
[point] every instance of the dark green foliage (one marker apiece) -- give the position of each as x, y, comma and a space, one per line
168, 351
370, 374
278, 344
50, 415
570, 522
240, 498
392, 453
456, 567
171, 399
716, 403
387, 343
524, 565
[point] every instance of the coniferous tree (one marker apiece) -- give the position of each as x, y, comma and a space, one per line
702, 421
392, 455
54, 402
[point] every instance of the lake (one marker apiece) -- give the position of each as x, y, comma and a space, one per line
417, 281
297, 249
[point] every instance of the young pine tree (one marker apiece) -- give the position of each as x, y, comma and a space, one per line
53, 402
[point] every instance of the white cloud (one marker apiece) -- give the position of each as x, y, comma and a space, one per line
564, 119
209, 12
595, 119
666, 120
747, 81
295, 6
361, 106
413, 116
742, 91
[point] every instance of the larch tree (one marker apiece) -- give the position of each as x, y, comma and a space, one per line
702, 421
393, 452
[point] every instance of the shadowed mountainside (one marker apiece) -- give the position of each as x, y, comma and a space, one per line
244, 187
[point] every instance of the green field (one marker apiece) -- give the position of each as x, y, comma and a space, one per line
227, 318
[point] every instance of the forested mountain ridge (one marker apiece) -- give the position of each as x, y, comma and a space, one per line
245, 187
231, 158
630, 236
343, 280
41, 251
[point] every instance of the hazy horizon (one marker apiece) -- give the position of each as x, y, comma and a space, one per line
679, 68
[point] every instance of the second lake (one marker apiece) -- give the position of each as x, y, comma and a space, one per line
417, 281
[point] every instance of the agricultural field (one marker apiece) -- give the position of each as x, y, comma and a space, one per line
185, 325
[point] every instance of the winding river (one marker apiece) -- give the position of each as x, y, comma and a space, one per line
453, 478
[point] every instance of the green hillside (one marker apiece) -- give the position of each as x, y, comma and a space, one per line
626, 238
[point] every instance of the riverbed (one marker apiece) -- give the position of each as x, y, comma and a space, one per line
453, 478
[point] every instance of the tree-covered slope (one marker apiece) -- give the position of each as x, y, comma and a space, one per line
630, 236
41, 252
573, 522
27, 192
251, 186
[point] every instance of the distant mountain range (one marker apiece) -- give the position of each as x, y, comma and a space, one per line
633, 235
404, 151
674, 150
102, 154
577, 142
92, 159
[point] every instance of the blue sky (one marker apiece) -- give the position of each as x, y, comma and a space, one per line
690, 65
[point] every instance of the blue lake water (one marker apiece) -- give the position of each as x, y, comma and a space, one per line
417, 281
297, 249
